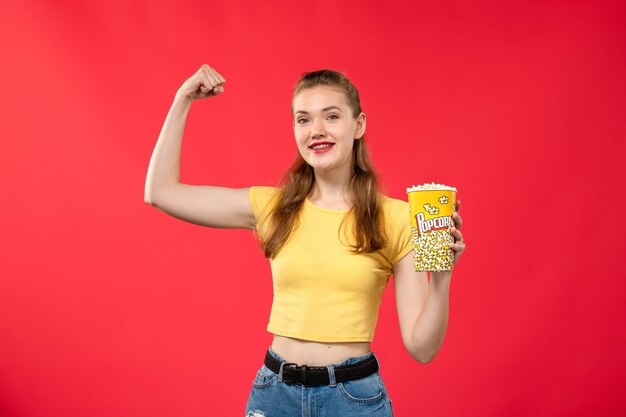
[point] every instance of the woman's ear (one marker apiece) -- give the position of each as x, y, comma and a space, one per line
360, 126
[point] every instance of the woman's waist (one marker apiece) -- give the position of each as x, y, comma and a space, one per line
312, 353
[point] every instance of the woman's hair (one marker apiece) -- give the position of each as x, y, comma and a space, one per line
298, 181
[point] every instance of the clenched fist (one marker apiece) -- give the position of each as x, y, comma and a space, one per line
206, 82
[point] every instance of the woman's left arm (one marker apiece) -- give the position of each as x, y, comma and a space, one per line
423, 307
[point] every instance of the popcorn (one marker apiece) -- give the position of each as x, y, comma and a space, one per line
431, 207
433, 253
431, 186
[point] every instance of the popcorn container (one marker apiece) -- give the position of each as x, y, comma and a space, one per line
431, 207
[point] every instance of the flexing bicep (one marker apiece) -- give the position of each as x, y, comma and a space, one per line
206, 205
411, 291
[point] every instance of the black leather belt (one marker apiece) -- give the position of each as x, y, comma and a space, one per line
318, 375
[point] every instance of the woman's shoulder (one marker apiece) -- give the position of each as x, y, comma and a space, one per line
390, 204
260, 197
395, 211
264, 190
397, 226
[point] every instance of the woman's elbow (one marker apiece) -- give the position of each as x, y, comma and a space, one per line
424, 359
150, 196
423, 356
149, 199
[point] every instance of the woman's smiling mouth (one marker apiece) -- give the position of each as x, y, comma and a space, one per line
321, 147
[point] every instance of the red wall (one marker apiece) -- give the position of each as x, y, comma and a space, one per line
108, 307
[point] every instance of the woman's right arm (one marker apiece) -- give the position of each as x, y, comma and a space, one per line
199, 204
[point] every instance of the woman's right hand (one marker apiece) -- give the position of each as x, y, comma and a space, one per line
206, 82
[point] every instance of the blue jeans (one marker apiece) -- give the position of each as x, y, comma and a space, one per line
272, 397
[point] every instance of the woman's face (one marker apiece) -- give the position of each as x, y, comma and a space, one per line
325, 128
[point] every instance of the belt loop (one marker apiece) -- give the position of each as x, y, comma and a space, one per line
331, 376
280, 371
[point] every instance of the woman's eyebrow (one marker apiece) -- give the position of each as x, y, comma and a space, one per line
323, 110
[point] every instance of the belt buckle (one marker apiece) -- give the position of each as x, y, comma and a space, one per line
282, 370
303, 368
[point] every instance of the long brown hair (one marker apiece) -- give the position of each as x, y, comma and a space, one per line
298, 181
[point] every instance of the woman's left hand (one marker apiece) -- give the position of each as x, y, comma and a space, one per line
459, 245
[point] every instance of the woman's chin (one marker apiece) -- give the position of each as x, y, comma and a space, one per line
321, 166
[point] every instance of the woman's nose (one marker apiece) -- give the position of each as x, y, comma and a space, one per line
317, 129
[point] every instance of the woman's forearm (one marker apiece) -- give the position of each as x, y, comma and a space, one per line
430, 327
164, 168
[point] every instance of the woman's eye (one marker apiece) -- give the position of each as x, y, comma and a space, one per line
303, 120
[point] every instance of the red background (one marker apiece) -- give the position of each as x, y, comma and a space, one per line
108, 307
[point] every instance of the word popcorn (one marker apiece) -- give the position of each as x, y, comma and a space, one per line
438, 223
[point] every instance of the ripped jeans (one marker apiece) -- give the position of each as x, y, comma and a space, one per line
272, 397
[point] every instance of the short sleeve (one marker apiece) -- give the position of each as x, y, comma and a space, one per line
398, 227
261, 202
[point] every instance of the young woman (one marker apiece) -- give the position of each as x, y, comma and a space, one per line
333, 241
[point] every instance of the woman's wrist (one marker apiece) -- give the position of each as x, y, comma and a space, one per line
182, 100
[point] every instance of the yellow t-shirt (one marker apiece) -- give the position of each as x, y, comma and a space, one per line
322, 290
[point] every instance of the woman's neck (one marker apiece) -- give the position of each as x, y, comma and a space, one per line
331, 190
